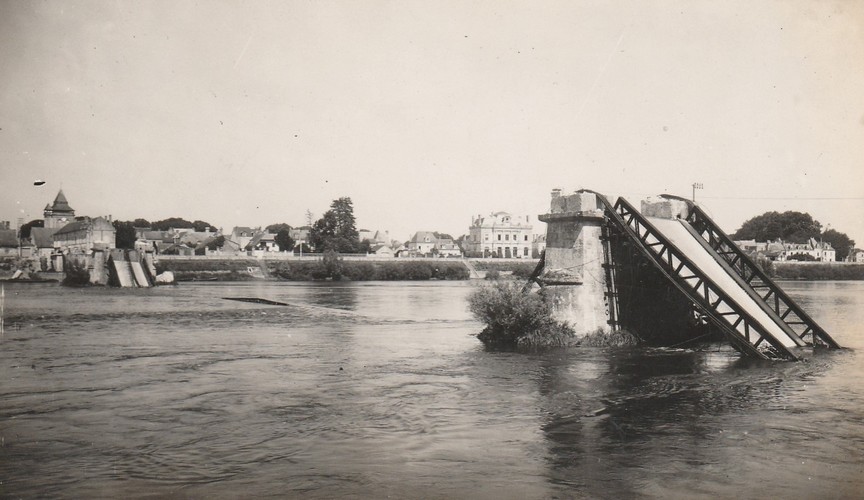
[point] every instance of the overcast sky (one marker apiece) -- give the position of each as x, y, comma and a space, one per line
426, 112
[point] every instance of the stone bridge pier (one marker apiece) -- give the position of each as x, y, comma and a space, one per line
573, 275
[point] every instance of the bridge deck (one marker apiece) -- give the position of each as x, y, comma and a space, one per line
676, 232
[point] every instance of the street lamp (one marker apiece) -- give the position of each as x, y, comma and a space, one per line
696, 185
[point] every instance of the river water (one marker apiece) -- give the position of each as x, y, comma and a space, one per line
373, 390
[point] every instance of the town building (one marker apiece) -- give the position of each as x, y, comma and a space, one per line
263, 242
42, 239
855, 255
8, 242
300, 236
813, 250
500, 235
422, 243
84, 235
242, 235
538, 245
59, 213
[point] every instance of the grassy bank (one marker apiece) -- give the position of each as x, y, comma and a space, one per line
312, 270
818, 271
207, 270
370, 271
518, 269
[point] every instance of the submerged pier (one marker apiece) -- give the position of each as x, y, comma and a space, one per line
666, 273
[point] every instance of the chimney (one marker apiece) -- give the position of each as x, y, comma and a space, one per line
556, 193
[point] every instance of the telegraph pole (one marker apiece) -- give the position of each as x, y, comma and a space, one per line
696, 185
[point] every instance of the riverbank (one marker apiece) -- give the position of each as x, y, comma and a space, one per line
357, 269
818, 271
350, 269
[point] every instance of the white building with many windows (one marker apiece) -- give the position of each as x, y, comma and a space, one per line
501, 235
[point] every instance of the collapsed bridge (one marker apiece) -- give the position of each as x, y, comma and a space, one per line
666, 273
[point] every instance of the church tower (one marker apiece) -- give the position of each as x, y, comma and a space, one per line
59, 213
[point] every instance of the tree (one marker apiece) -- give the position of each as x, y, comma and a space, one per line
24, 231
840, 241
180, 223
124, 236
201, 226
275, 228
336, 229
795, 227
284, 240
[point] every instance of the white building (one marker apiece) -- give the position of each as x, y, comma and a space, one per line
500, 234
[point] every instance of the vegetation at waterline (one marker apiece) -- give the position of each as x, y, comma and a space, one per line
208, 269
818, 271
331, 266
76, 273
516, 319
516, 269
335, 268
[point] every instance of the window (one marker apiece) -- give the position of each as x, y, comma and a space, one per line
499, 237
526, 251
526, 239
507, 237
486, 238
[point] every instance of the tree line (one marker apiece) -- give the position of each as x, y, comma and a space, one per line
336, 230
793, 227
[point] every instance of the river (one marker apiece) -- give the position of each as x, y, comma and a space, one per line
373, 390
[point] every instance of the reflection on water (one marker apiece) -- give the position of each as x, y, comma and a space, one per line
380, 389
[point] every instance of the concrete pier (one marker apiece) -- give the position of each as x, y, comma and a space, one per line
573, 275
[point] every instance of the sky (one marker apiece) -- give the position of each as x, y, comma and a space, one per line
428, 113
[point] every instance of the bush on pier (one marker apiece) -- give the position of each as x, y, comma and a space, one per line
517, 319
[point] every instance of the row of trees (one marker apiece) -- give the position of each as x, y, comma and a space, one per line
336, 230
125, 230
793, 227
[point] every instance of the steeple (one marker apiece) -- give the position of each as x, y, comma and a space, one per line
60, 203
59, 213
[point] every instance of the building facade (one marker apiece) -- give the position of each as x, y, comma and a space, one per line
82, 236
500, 235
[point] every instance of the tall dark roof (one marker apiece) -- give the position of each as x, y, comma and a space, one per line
60, 203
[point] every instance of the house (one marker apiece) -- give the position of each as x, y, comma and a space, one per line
155, 241
42, 239
381, 251
83, 235
446, 247
300, 235
379, 237
500, 235
538, 245
194, 238
812, 250
242, 235
422, 243
263, 241
751, 246
855, 255
8, 242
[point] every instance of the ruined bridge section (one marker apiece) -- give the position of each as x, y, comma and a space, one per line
666, 273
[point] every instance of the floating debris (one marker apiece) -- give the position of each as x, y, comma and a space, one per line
256, 300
